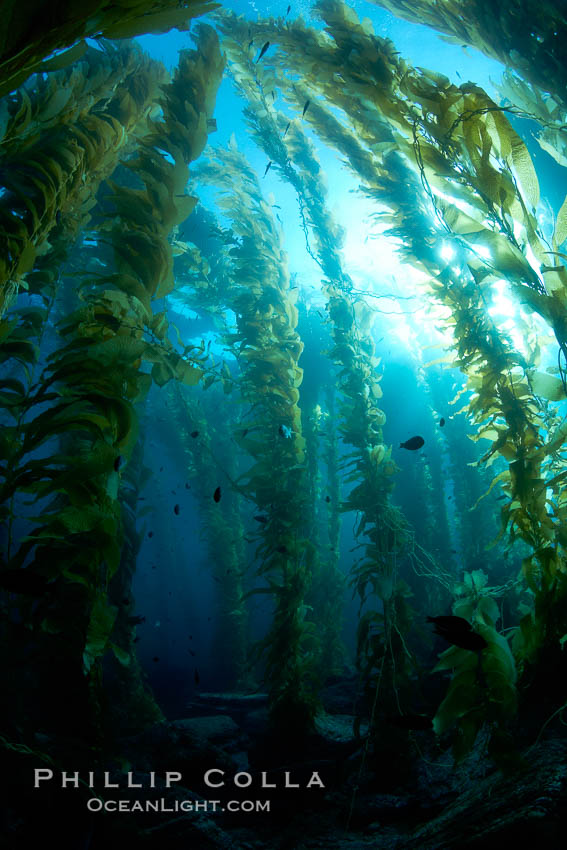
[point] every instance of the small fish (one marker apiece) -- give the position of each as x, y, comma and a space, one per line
305, 108
161, 469
269, 165
327, 498
441, 422
118, 463
154, 567
191, 653
458, 75
197, 677
217, 494
150, 534
136, 620
194, 434
273, 95
288, 11
282, 550
136, 639
285, 432
413, 444
261, 518
250, 43
499, 498
23, 581
411, 721
155, 658
286, 129
263, 50
190, 637
187, 486
176, 510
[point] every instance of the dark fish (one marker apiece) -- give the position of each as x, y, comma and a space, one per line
411, 721
217, 494
215, 578
176, 510
441, 422
136, 639
503, 496
465, 640
305, 108
118, 463
286, 129
161, 469
190, 637
458, 75
413, 444
450, 622
154, 567
150, 534
250, 43
197, 677
263, 50
155, 658
191, 653
327, 498
187, 486
288, 11
269, 165
282, 550
194, 434
458, 631
273, 95
23, 581
136, 619
261, 518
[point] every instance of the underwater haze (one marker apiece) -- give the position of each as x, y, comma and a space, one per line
283, 383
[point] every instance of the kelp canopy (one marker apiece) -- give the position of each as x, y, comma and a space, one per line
118, 215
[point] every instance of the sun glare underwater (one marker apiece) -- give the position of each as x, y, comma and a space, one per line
283, 337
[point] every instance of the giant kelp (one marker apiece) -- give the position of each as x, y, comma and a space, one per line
523, 34
411, 134
31, 31
93, 379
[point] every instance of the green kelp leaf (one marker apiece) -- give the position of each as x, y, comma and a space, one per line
153, 24
561, 225
525, 170
462, 697
99, 629
63, 59
488, 609
547, 386
121, 654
